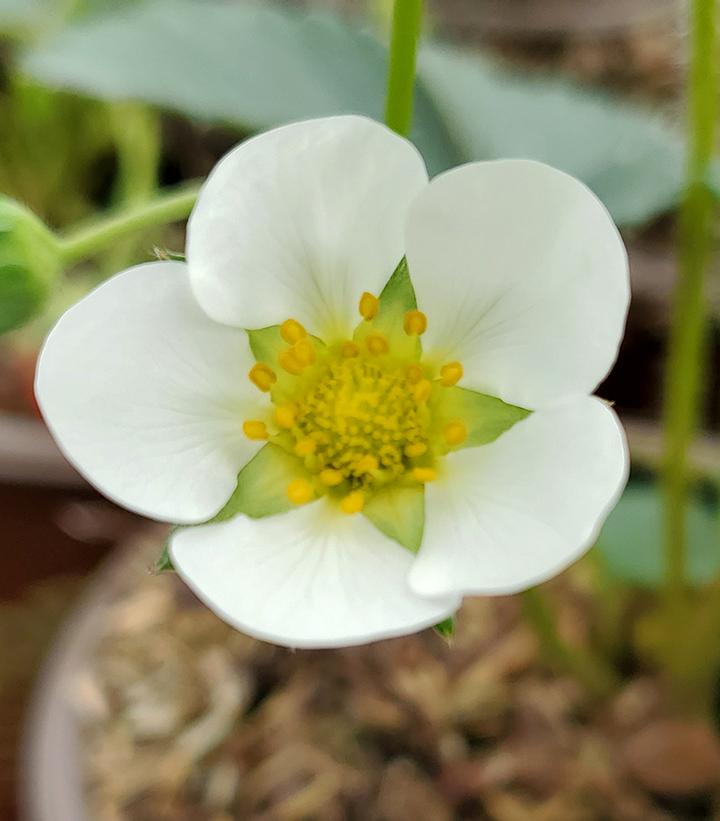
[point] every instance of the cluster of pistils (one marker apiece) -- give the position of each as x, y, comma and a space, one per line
362, 416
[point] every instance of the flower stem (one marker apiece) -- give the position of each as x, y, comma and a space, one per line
406, 25
167, 206
591, 670
686, 361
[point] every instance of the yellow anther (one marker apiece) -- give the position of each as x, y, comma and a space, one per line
415, 449
291, 331
285, 416
331, 477
421, 391
451, 374
377, 344
305, 447
369, 306
424, 474
304, 352
350, 350
353, 503
414, 374
455, 433
262, 376
366, 463
254, 429
300, 491
289, 362
415, 323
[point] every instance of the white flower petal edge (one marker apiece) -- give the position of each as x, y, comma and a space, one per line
145, 395
312, 577
299, 221
524, 277
513, 513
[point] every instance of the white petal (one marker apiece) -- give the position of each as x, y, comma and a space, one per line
312, 577
513, 513
524, 279
299, 221
146, 395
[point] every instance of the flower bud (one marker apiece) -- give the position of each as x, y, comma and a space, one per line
29, 263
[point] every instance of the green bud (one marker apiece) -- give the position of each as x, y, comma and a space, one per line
29, 264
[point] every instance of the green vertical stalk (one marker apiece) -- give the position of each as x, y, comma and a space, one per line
686, 360
406, 25
593, 671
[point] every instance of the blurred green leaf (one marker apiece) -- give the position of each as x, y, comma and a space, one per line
631, 540
257, 66
241, 64
625, 154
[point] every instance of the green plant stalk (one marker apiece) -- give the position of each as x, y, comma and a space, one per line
405, 34
136, 133
167, 206
686, 360
592, 670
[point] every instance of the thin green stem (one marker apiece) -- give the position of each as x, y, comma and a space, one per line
406, 25
686, 360
597, 676
166, 207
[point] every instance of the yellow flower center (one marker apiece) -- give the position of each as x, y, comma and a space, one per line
356, 415
361, 414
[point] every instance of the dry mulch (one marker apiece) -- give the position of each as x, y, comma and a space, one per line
187, 720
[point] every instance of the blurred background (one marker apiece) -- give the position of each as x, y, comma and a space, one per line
147, 707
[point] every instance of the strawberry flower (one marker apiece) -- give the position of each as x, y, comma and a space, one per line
364, 394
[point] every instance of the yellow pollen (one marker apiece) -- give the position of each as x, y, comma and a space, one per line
455, 433
305, 447
377, 344
292, 331
421, 391
415, 449
289, 362
349, 350
353, 503
415, 323
414, 373
366, 464
369, 306
300, 491
331, 477
285, 416
304, 352
451, 374
424, 474
255, 429
262, 376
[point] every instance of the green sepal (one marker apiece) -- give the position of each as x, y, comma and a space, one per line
396, 299
262, 485
486, 417
164, 563
398, 511
446, 628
